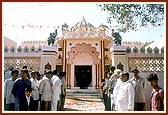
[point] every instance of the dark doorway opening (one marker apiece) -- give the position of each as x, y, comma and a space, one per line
83, 76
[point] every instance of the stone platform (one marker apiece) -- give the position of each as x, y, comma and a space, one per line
83, 92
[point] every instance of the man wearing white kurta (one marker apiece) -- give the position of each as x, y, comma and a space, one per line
125, 97
56, 87
112, 83
115, 92
8, 96
45, 91
35, 89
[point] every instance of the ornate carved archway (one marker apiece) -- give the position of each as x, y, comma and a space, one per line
87, 48
84, 55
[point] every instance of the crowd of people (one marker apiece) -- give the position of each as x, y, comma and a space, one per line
24, 91
30, 91
121, 93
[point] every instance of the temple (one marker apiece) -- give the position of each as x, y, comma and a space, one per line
85, 52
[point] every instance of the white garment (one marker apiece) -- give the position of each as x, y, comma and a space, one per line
125, 97
115, 91
28, 100
8, 74
45, 89
8, 91
56, 87
35, 86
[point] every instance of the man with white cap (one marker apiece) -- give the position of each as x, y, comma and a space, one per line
45, 91
112, 83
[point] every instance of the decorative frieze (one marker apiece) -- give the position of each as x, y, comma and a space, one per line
18, 62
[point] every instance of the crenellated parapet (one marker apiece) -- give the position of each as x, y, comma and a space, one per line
132, 44
25, 49
34, 43
143, 50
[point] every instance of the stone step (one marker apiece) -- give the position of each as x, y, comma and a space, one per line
83, 92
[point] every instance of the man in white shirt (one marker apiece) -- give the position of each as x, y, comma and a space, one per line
112, 83
8, 73
125, 97
9, 97
45, 91
56, 87
35, 87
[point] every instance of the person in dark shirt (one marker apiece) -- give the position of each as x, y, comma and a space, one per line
61, 75
19, 86
27, 102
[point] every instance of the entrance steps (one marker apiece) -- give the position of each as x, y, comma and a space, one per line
83, 92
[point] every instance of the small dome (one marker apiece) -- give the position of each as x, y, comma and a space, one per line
83, 25
64, 26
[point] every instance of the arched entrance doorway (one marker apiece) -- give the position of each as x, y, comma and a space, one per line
83, 60
83, 76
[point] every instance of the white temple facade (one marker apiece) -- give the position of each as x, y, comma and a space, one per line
85, 52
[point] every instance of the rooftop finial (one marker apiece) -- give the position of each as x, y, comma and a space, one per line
83, 19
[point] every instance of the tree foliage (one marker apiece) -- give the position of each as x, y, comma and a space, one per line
130, 16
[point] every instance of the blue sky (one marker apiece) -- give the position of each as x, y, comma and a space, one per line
44, 16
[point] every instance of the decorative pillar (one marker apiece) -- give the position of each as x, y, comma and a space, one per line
64, 55
64, 61
97, 75
93, 76
72, 76
102, 59
68, 75
118, 54
49, 55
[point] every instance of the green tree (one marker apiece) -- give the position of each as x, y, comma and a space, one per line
130, 16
